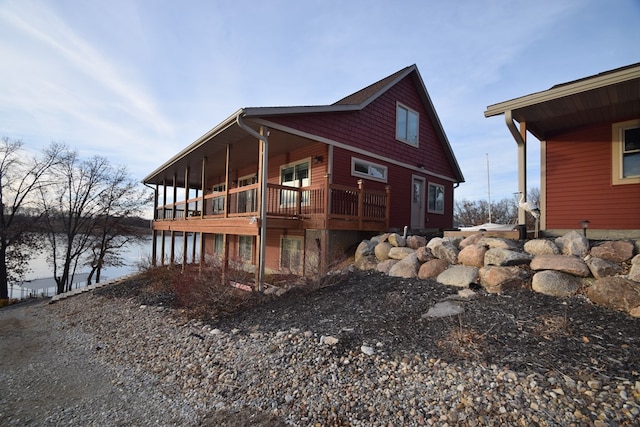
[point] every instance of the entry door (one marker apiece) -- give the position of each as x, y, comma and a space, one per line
417, 202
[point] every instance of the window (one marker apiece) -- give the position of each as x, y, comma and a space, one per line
436, 198
245, 250
626, 152
247, 199
218, 243
218, 202
291, 254
294, 175
406, 125
368, 170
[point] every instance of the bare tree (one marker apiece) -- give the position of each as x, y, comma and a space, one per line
86, 211
21, 177
122, 199
505, 211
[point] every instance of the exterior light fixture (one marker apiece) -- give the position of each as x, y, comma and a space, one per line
317, 159
584, 224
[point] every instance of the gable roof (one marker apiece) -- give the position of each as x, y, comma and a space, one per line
606, 97
228, 130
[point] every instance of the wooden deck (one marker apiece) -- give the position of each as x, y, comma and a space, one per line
237, 211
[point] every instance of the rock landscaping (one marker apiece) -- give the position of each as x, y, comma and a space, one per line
607, 273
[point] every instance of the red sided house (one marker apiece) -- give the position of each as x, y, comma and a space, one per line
589, 131
285, 188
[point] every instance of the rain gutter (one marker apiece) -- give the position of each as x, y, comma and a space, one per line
263, 196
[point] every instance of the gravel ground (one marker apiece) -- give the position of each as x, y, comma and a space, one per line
357, 353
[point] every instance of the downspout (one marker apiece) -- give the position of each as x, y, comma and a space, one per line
263, 198
520, 138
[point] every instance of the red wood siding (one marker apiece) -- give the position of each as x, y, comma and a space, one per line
373, 129
399, 179
579, 183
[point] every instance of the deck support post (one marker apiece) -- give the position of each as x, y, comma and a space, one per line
387, 213
162, 249
360, 202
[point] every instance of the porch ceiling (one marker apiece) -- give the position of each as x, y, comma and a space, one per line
244, 153
604, 98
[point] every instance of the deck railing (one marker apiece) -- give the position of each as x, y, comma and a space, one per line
327, 201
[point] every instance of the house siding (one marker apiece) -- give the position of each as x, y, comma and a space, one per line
579, 183
373, 129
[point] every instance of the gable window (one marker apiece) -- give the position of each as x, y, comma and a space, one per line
407, 125
626, 152
368, 170
291, 254
436, 198
295, 175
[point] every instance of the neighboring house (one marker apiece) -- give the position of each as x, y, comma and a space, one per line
589, 130
287, 188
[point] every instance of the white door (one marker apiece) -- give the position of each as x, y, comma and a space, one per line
417, 202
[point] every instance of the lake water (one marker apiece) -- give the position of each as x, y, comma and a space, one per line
39, 280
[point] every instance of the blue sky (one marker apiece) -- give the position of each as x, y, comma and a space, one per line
138, 80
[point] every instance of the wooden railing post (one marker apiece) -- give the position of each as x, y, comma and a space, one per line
387, 213
360, 202
327, 198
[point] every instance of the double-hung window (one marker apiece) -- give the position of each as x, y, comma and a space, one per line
626, 152
291, 254
436, 198
407, 121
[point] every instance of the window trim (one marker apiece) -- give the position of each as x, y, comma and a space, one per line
617, 151
399, 106
444, 193
354, 172
299, 239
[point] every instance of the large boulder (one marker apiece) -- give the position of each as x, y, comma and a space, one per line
496, 280
555, 283
365, 248
602, 268
498, 243
459, 275
615, 251
505, 257
573, 243
367, 262
443, 249
472, 255
634, 273
424, 254
432, 268
470, 240
385, 266
396, 240
566, 263
400, 252
382, 250
406, 267
415, 242
615, 292
541, 247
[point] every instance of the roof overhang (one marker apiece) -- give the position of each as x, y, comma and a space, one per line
607, 97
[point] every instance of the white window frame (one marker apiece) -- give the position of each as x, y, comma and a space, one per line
403, 110
617, 145
433, 208
288, 200
369, 165
218, 202
297, 269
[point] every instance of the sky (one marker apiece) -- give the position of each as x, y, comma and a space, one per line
137, 81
